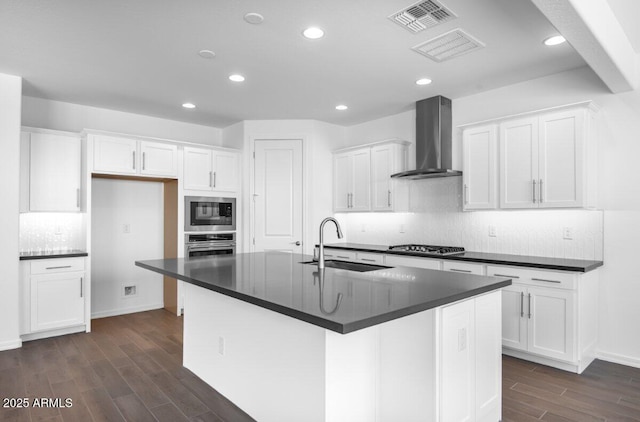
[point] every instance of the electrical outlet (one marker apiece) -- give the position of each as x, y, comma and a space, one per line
462, 339
221, 345
492, 231
567, 233
126, 228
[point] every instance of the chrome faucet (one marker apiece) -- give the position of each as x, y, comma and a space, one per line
321, 245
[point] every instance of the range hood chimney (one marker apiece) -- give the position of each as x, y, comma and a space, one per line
433, 140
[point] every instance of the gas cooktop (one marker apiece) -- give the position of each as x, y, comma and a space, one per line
428, 249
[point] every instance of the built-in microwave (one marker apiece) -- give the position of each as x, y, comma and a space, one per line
202, 213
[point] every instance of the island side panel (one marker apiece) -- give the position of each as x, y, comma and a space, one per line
272, 366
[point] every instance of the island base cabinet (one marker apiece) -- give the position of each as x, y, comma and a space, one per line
470, 360
278, 368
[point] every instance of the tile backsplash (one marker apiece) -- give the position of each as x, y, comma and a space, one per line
50, 232
435, 217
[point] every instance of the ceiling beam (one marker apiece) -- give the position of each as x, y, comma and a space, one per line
592, 29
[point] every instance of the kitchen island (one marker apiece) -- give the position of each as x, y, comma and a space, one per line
288, 342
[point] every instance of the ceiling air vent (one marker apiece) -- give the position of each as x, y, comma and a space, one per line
449, 45
422, 15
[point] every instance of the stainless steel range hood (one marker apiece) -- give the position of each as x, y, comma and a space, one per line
433, 140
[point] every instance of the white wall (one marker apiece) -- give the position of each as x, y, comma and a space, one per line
48, 114
10, 98
319, 139
618, 186
116, 203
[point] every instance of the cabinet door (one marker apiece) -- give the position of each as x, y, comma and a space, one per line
551, 323
519, 163
561, 159
198, 170
342, 170
115, 155
514, 317
54, 179
479, 173
361, 176
225, 171
57, 300
381, 169
159, 159
406, 261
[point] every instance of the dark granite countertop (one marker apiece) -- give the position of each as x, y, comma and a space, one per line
560, 264
52, 254
280, 282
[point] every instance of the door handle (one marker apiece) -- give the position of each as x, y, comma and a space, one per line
134, 160
389, 198
529, 305
546, 280
460, 271
214, 179
81, 293
297, 243
143, 160
534, 191
540, 187
78, 197
466, 194
506, 275
210, 179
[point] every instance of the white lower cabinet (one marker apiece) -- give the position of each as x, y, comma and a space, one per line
407, 261
54, 293
470, 367
549, 317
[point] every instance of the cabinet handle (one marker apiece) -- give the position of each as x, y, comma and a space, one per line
521, 304
78, 197
81, 293
540, 187
367, 260
343, 257
143, 160
466, 194
534, 191
546, 280
529, 305
210, 179
214, 179
57, 268
389, 198
134, 160
460, 271
506, 275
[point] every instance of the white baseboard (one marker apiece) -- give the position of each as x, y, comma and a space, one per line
620, 359
53, 333
11, 344
124, 311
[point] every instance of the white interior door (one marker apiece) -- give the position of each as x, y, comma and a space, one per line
277, 206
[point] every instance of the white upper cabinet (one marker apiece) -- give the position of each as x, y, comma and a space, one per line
546, 159
158, 159
54, 165
125, 156
210, 170
480, 167
362, 176
115, 155
519, 163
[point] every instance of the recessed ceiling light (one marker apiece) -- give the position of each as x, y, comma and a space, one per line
313, 33
188, 105
423, 81
341, 107
254, 18
555, 40
236, 78
206, 54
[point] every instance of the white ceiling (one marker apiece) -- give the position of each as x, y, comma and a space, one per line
141, 56
627, 12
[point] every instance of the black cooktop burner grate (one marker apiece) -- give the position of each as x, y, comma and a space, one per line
428, 249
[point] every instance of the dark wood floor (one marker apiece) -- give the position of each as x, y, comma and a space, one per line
129, 368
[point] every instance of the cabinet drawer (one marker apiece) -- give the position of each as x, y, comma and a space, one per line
406, 261
370, 258
559, 280
339, 254
61, 265
463, 267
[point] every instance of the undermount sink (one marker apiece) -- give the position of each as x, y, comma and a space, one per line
349, 266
